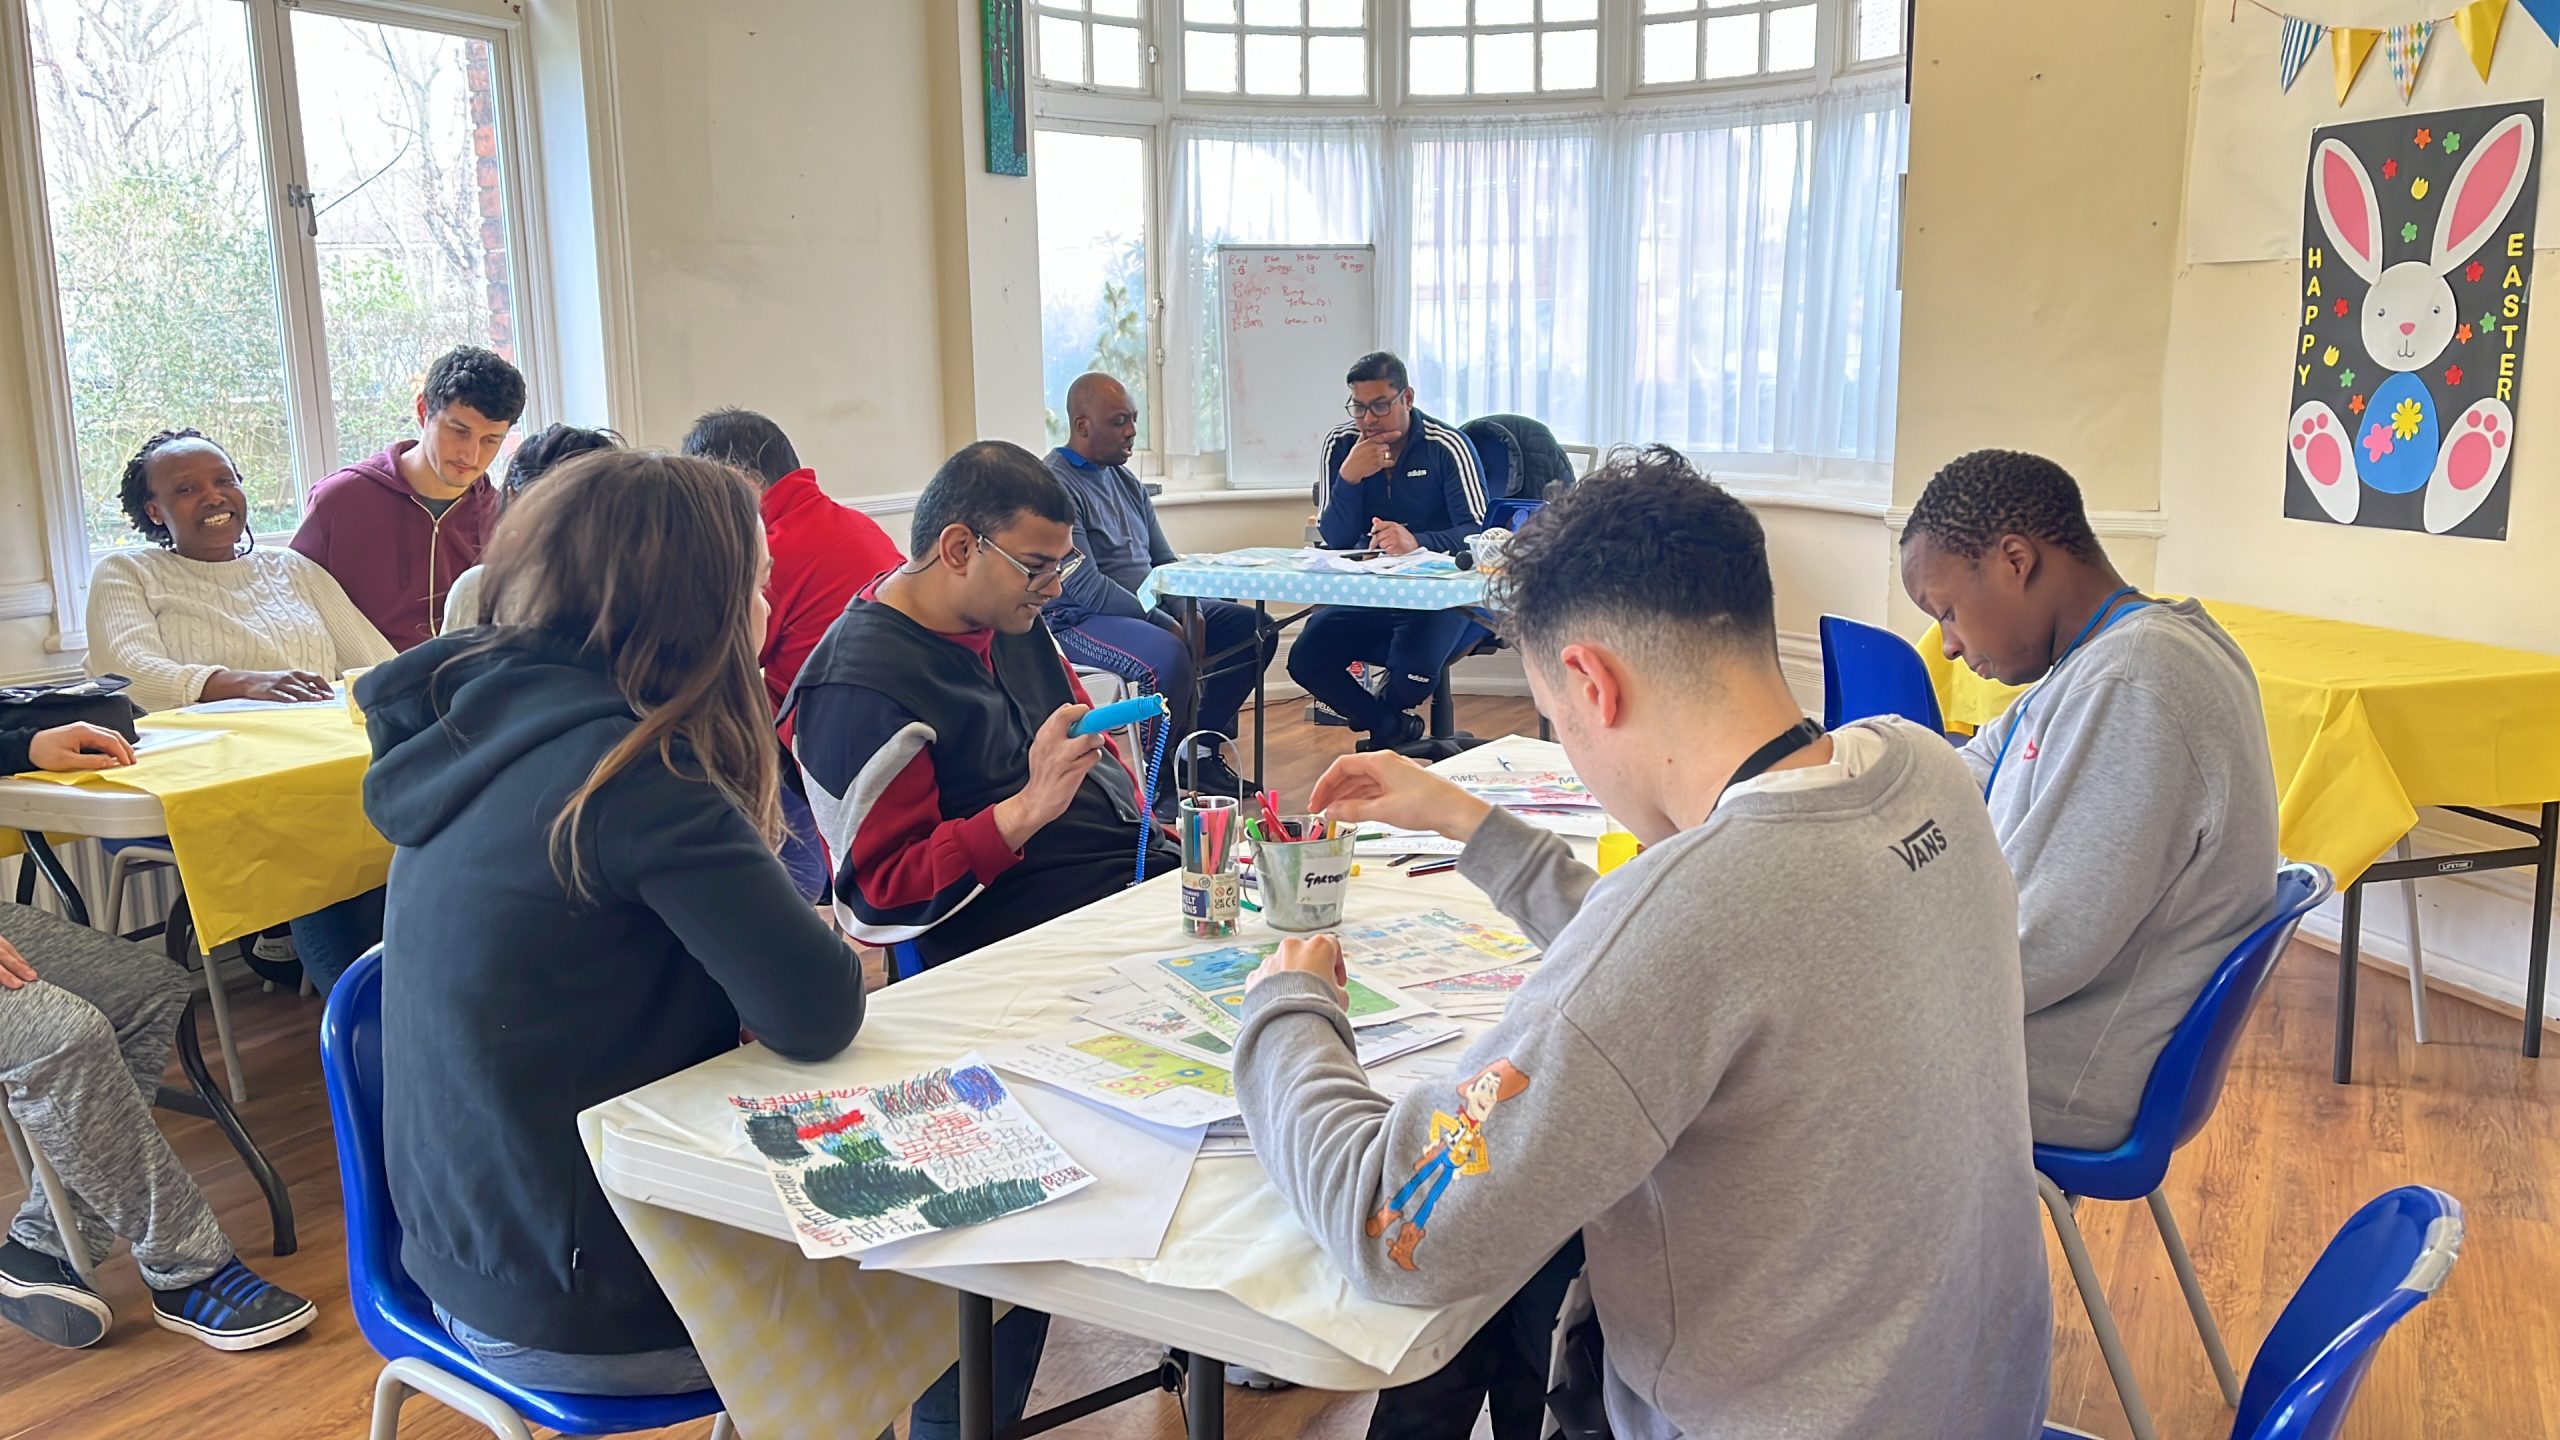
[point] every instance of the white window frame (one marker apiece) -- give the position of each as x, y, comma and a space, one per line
1179, 84
1830, 48
301, 323
1081, 14
1149, 457
1537, 27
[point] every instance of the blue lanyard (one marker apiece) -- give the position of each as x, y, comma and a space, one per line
2101, 622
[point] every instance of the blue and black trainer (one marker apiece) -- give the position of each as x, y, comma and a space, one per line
232, 1309
46, 1298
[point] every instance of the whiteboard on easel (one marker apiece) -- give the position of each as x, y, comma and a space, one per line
1292, 318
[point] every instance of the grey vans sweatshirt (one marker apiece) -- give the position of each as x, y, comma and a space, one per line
1771, 1071
2138, 807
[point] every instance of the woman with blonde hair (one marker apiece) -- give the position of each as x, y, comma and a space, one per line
585, 899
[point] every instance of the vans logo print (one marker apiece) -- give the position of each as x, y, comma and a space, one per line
1920, 846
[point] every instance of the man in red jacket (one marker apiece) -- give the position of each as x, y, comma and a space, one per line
823, 550
397, 528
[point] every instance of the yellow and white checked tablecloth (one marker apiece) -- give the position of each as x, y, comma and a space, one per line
2365, 725
268, 821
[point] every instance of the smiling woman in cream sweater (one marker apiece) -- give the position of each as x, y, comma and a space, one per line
207, 616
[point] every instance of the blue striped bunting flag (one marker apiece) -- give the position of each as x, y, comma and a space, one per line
2301, 37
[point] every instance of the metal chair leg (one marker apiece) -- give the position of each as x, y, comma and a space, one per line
179, 939
207, 1101
722, 1428
2417, 950
2102, 1319
2185, 1265
57, 1197
402, 1376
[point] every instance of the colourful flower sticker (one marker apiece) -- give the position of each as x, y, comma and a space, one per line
2408, 231
2453, 374
2418, 188
2426, 137
2377, 442
2356, 405
2472, 272
2462, 333
2342, 307
2452, 142
2488, 324
2329, 356
2346, 379
2390, 169
2406, 418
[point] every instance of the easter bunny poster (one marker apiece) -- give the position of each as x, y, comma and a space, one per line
2417, 278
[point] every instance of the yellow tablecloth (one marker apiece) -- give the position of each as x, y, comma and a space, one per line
2365, 725
268, 821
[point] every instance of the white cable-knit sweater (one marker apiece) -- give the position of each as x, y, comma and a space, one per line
168, 622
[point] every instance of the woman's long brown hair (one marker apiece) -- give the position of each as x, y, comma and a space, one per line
652, 560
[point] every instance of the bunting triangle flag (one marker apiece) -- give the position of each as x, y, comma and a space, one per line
2301, 37
2545, 13
2347, 48
2477, 23
2405, 46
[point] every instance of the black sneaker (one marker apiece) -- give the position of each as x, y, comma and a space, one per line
232, 1309
1406, 729
46, 1298
1214, 776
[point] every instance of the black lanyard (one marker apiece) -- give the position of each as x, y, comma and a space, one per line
1804, 732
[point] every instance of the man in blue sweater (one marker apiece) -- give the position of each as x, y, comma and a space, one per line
1396, 480
1097, 616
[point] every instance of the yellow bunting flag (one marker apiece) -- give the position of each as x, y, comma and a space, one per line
2348, 47
2477, 23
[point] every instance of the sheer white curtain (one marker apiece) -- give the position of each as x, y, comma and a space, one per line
1252, 183
1497, 247
1760, 278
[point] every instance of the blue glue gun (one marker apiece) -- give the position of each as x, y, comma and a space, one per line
1119, 713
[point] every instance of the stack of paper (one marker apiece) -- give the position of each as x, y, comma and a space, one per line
1553, 800
1338, 562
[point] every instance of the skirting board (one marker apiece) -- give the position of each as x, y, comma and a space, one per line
2445, 975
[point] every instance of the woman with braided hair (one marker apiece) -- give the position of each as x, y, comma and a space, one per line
206, 614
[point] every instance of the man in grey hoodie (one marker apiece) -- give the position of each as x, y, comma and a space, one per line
2131, 789
1771, 1070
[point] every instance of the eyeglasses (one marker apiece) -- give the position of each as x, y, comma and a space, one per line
1034, 579
1374, 409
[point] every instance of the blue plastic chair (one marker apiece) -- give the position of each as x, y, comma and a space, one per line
2185, 1084
2383, 1263
395, 1315
906, 961
1869, 671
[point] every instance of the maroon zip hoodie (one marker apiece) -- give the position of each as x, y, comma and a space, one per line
390, 553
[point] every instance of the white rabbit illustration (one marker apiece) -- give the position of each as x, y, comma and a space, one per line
2409, 318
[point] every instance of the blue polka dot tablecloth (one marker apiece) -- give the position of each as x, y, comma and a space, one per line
1279, 579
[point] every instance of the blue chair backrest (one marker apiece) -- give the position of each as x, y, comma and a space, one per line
906, 961
2384, 1262
1869, 671
2186, 1080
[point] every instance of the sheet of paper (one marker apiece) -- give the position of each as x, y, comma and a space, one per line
1407, 843
1496, 984
859, 1167
252, 707
1573, 824
1157, 1018
1337, 562
152, 742
1139, 1173
1109, 1068
1381, 1043
1516, 789
1411, 950
1217, 975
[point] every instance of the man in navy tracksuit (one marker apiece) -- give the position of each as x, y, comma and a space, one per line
1394, 480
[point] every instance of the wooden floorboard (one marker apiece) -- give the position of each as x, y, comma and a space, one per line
2286, 1160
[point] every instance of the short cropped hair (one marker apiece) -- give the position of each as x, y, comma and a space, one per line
1378, 365
481, 379
743, 440
1645, 555
1980, 497
548, 447
986, 486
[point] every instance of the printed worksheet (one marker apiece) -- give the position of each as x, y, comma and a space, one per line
1106, 1067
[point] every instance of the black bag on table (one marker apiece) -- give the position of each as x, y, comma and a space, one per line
97, 700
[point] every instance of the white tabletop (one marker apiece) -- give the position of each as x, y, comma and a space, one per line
102, 812
1237, 1277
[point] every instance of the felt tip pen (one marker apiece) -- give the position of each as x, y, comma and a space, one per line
1436, 867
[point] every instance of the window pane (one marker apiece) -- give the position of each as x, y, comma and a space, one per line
1571, 59
1439, 14
160, 244
1733, 46
1092, 198
1128, 8
1506, 64
1064, 4
1572, 9
1439, 65
1270, 12
1208, 62
1879, 28
1271, 65
1061, 51
1502, 12
1209, 12
1671, 52
1666, 7
1117, 58
1791, 39
1337, 65
400, 133
1335, 14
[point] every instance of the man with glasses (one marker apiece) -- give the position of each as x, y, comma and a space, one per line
931, 726
1396, 480
1099, 619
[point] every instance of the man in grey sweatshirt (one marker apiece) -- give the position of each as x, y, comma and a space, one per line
2131, 789
1771, 1070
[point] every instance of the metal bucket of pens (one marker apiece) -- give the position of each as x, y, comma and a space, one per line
1303, 870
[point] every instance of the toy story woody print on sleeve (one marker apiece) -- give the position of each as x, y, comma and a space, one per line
1457, 1148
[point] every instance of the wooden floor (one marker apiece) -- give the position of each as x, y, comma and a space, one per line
2288, 1158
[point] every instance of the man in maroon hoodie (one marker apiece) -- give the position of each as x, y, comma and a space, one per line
395, 529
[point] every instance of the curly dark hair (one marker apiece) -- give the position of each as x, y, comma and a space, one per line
549, 446
136, 492
1980, 497
1649, 549
481, 379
